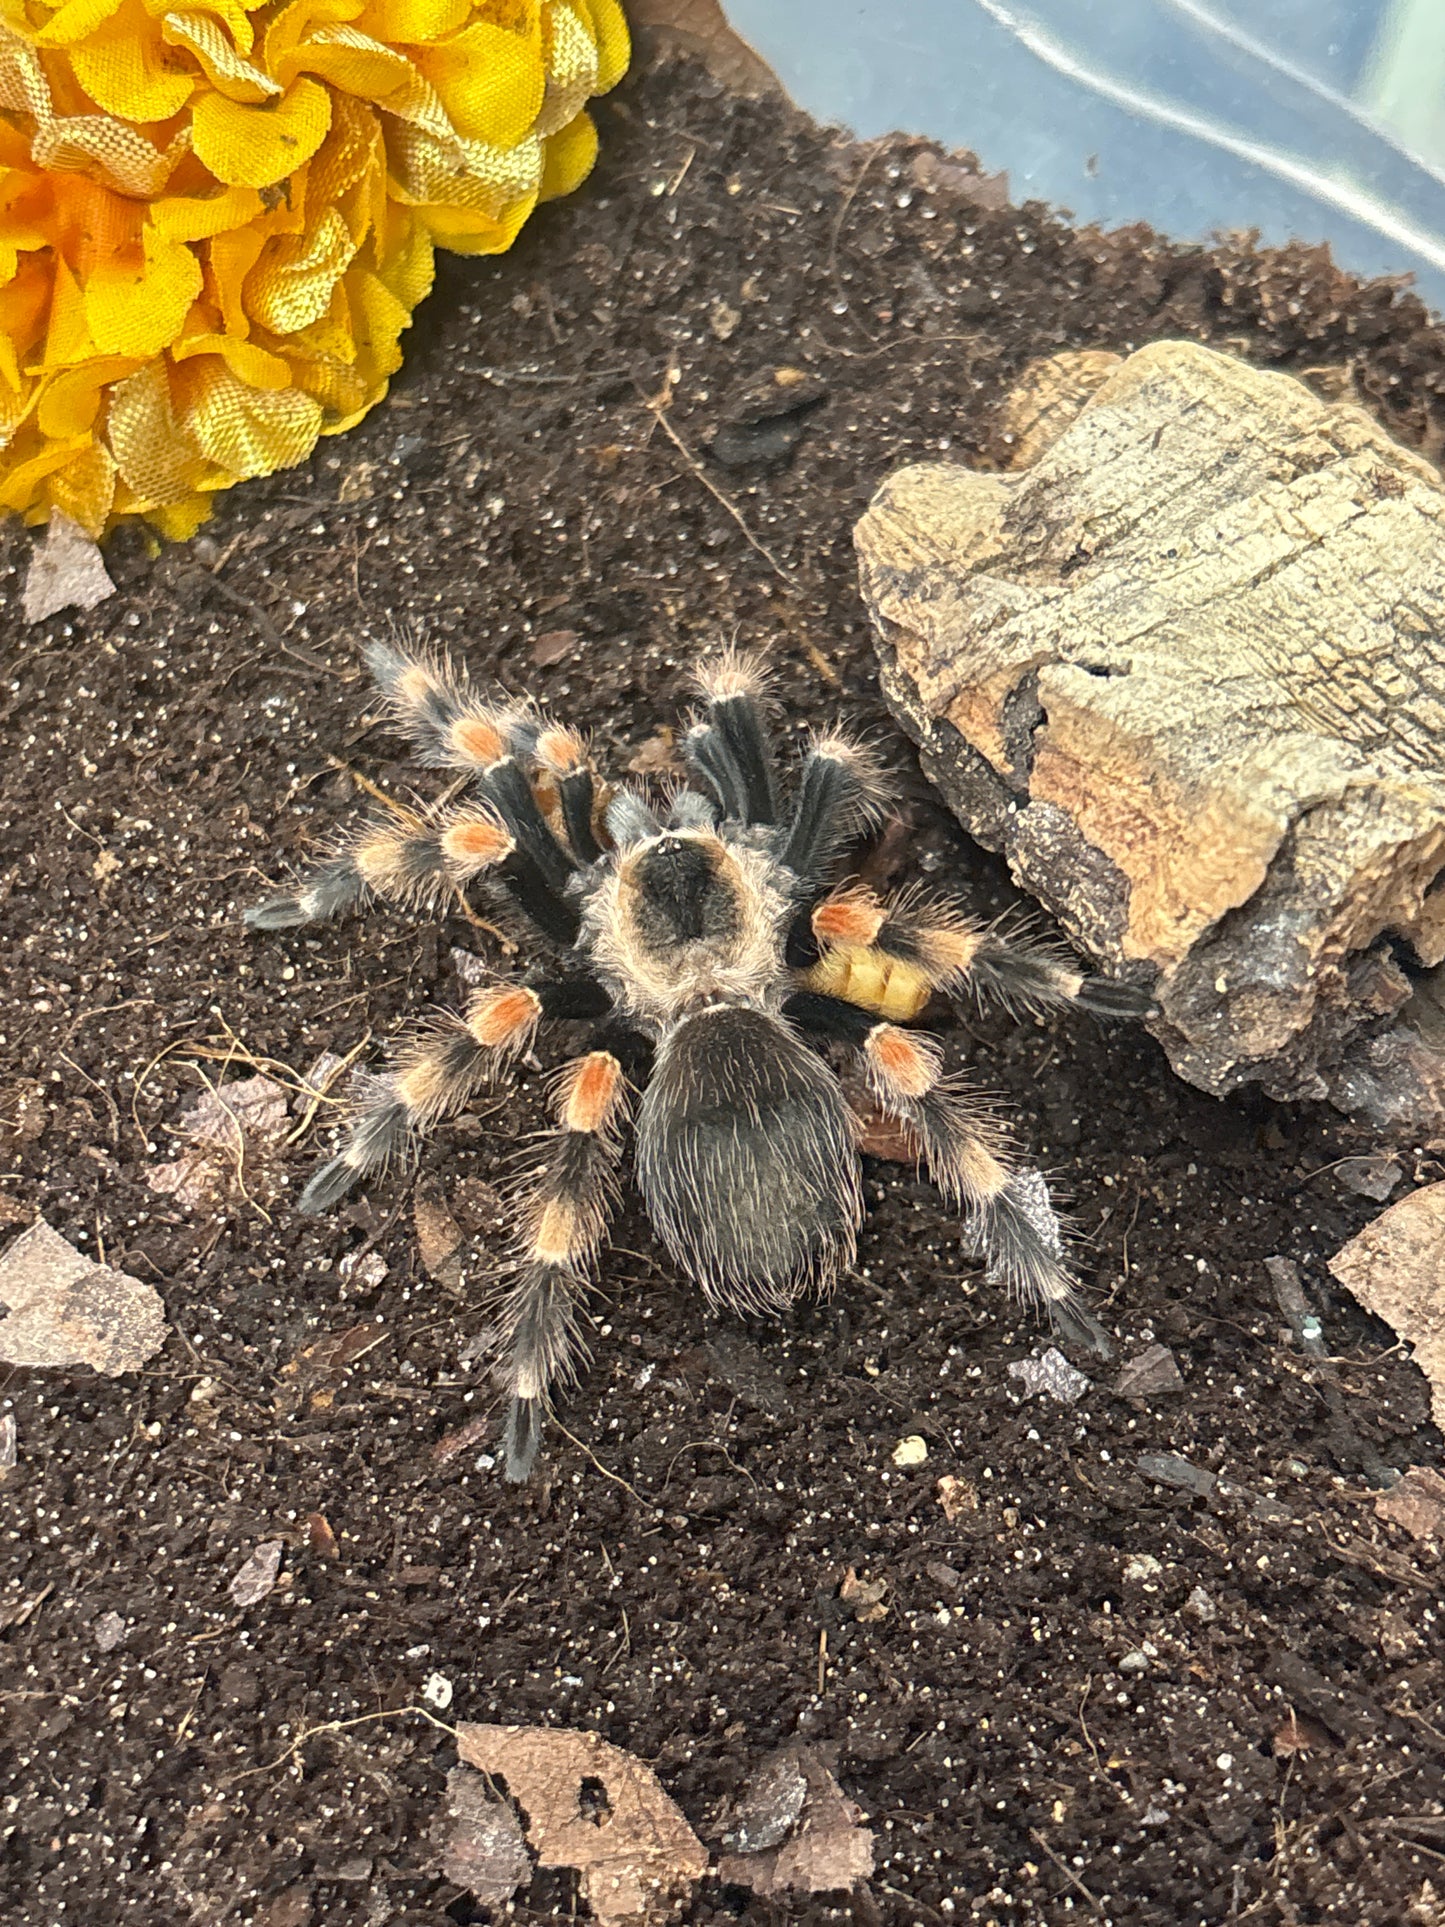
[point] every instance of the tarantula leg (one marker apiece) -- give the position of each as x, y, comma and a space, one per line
414, 860
541, 1326
1009, 1211
436, 1075
450, 725
563, 754
892, 956
730, 750
838, 796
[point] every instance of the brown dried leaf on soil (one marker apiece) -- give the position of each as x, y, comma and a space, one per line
66, 571
822, 1848
1417, 1503
1148, 1373
956, 1496
484, 1850
634, 1853
1396, 1268
864, 1597
439, 1239
64, 1309
258, 1576
219, 1132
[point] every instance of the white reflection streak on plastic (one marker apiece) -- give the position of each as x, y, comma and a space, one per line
1286, 167
1321, 89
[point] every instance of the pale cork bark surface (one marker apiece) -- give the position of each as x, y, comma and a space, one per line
1187, 670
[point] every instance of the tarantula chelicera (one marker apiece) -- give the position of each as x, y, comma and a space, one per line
714, 957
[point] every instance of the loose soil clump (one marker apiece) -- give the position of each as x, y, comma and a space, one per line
1142, 1656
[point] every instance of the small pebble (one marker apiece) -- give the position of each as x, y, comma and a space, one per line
1050, 1372
910, 1452
437, 1691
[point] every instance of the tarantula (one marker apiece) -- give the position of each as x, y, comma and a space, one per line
715, 960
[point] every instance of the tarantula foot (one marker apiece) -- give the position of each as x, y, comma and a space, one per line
284, 912
1108, 997
329, 1182
1070, 1320
522, 1440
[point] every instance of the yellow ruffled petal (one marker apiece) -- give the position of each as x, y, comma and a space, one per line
67, 335
244, 430
414, 20
248, 361
228, 71
613, 42
568, 159
290, 286
74, 21
184, 217
136, 307
155, 462
125, 71
179, 522
22, 484
570, 54
258, 146
70, 400
85, 488
108, 151
491, 82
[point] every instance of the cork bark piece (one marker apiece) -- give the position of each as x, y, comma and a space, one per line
1187, 670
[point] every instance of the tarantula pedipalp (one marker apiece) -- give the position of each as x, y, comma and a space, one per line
714, 958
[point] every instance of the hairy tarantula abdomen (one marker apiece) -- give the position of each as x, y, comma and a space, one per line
715, 966
746, 1159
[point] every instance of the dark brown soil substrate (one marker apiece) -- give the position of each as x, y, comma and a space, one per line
1038, 1728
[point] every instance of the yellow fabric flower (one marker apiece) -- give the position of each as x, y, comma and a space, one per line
215, 221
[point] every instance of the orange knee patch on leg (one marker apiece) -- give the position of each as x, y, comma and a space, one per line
591, 1092
504, 1017
478, 738
378, 860
422, 1085
848, 920
907, 1065
561, 751
475, 843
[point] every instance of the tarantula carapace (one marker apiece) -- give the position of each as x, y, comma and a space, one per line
713, 956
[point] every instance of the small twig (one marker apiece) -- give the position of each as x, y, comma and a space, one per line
1064, 1868
615, 1477
310, 1733
716, 493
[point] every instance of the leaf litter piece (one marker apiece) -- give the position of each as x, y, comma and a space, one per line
65, 1309
217, 1133
484, 1851
1417, 1503
815, 1840
1396, 1268
258, 1576
590, 1806
66, 571
1050, 1372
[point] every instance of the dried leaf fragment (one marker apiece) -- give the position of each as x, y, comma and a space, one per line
865, 1596
484, 1851
1050, 1372
593, 1807
218, 1132
1417, 1503
439, 1237
1396, 1268
64, 1309
1148, 1373
826, 1848
956, 1496
258, 1576
66, 571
